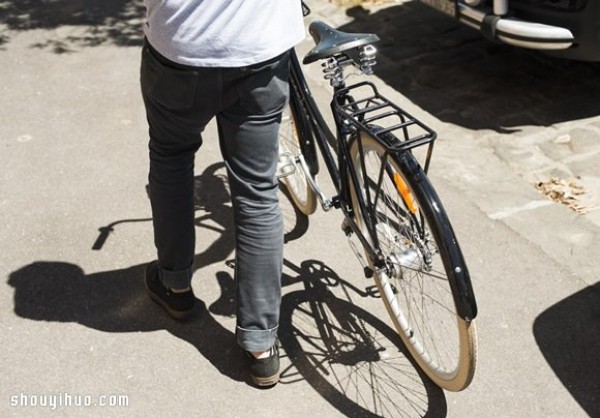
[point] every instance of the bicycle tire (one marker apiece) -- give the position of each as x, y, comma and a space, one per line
415, 284
295, 181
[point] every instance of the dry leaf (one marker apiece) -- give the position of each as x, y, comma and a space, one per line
565, 191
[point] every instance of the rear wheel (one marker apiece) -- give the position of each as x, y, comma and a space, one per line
414, 282
291, 173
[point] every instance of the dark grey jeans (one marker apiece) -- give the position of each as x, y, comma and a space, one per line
247, 103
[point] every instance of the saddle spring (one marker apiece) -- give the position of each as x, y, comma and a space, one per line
332, 71
332, 66
367, 60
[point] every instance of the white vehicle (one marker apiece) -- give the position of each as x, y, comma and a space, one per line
566, 28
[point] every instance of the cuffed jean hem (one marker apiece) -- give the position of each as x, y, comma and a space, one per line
256, 340
179, 279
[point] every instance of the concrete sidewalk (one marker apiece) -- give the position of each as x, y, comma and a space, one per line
77, 325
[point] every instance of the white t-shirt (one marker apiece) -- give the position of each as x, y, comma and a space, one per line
223, 33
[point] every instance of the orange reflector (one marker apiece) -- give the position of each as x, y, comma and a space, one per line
405, 193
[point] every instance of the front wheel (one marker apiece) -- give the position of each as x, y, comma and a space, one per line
291, 172
414, 279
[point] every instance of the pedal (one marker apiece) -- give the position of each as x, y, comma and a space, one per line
286, 164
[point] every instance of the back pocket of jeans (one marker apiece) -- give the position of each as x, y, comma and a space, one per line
170, 87
265, 89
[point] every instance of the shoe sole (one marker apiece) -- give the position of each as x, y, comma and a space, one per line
179, 315
265, 381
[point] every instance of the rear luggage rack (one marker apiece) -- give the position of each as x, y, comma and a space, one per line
371, 112
367, 110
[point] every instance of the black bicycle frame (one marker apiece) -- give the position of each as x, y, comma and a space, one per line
313, 128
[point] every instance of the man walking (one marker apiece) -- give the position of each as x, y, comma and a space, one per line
229, 60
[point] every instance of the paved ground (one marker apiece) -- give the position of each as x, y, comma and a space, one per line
76, 235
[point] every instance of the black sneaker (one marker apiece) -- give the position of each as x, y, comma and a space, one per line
265, 371
178, 305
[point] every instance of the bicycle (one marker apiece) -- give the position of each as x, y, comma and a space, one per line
387, 201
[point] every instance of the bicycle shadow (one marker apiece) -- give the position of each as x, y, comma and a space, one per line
212, 202
212, 199
452, 72
568, 336
91, 22
349, 356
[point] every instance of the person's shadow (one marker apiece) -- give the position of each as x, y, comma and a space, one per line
116, 301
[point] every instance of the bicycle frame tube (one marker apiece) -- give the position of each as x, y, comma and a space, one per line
322, 134
352, 177
313, 117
